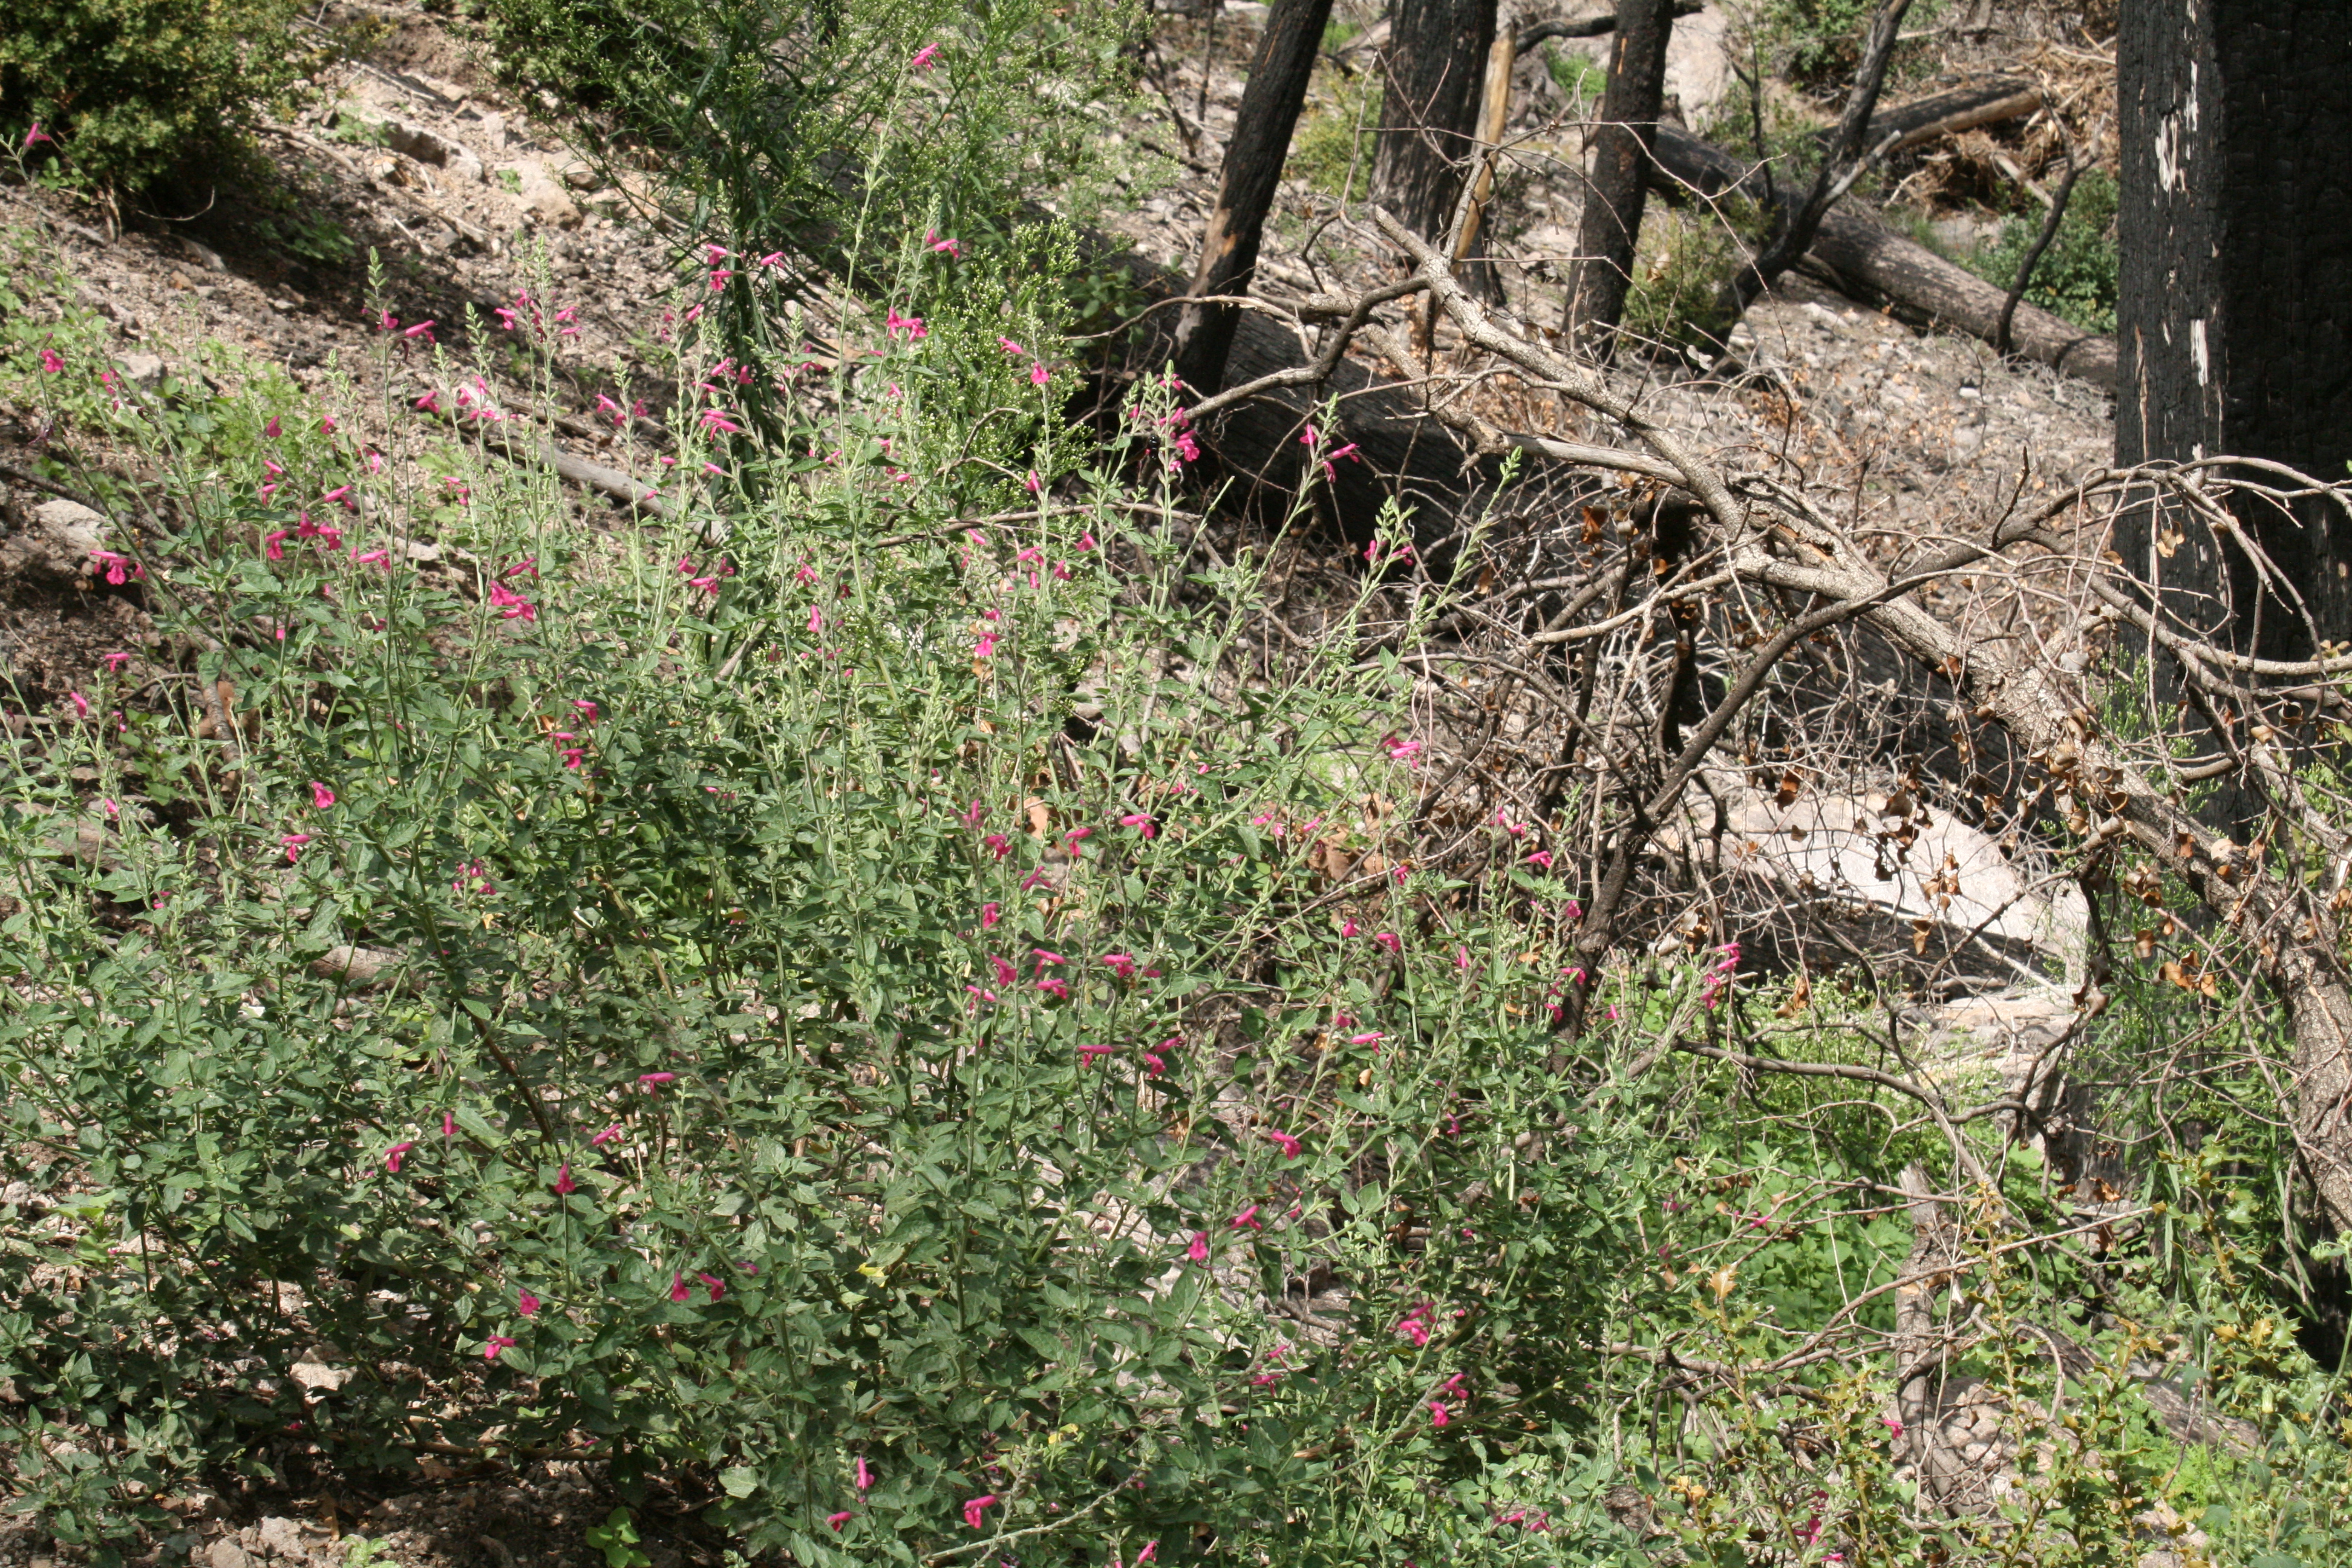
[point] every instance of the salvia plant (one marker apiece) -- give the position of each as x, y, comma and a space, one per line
862, 992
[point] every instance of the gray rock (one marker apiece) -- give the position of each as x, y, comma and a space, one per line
1894, 863
282, 1537
541, 198
145, 370
70, 525
427, 145
57, 544
226, 1553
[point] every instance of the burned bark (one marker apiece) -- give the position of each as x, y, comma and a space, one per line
1620, 174
2235, 310
1434, 65
1275, 92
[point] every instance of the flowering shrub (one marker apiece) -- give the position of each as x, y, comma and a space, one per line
731, 1014
126, 90
875, 996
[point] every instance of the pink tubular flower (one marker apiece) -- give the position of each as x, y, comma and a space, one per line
34, 137
496, 1343
320, 796
944, 246
527, 1304
1414, 1326
1437, 1416
1038, 374
1347, 927
998, 845
1077, 836
51, 362
1142, 823
650, 1078
990, 914
895, 324
421, 330
1286, 1142
342, 494
925, 58
714, 419
678, 1290
1088, 1053
511, 604
605, 1137
115, 661
1390, 940
1199, 1251
1245, 1220
565, 1185
587, 709
1540, 858
718, 1288
1120, 964
1150, 1550
397, 1152
976, 1506
430, 402
1371, 1039
865, 1477
1006, 973
1057, 989
986, 647
293, 843
838, 1519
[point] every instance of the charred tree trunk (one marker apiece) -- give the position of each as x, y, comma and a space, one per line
1619, 180
2234, 321
1253, 159
1435, 63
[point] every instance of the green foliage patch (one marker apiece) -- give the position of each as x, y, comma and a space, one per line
2076, 279
131, 90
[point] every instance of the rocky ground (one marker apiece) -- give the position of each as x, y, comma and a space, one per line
412, 152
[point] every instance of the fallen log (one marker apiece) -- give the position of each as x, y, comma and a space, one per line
1962, 108
1861, 256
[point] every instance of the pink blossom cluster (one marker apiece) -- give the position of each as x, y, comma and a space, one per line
1720, 977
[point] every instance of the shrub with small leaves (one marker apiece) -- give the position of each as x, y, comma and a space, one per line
129, 91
